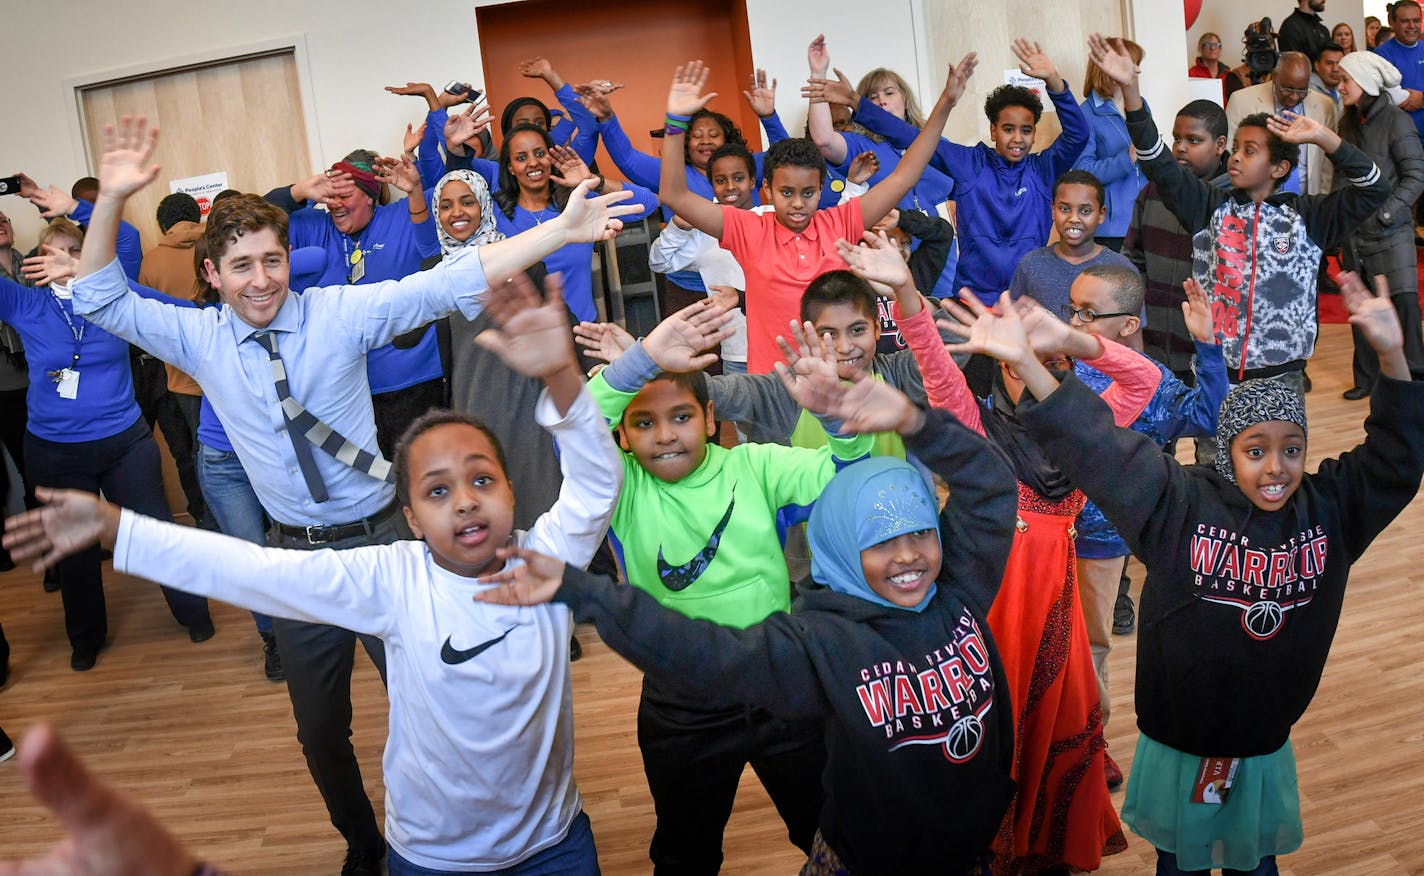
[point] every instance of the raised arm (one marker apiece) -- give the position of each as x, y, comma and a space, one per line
123, 170
884, 195
977, 522
1377, 479
685, 98
342, 591
1190, 199
639, 167
766, 664
818, 114
1328, 218
945, 387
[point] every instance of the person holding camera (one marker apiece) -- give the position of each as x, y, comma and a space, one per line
1257, 61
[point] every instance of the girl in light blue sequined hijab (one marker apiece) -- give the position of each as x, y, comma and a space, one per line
866, 505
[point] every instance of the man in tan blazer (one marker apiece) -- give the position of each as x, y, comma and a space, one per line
1289, 89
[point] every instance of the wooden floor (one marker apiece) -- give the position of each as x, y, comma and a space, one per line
197, 733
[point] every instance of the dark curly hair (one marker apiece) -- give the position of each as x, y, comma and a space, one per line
506, 196
793, 152
730, 132
733, 150
1012, 95
1280, 150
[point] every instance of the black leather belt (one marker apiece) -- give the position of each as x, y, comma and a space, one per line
321, 533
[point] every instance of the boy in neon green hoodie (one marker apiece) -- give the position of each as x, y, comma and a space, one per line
697, 528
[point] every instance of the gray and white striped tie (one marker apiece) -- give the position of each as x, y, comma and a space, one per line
306, 430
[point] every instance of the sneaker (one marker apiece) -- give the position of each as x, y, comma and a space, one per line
1111, 771
359, 863
201, 631
271, 662
1124, 616
7, 748
575, 649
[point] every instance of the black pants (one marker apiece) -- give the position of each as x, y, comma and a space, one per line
396, 410
694, 761
14, 415
125, 468
1365, 364
178, 418
1398, 266
318, 659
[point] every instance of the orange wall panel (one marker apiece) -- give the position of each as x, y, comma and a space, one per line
636, 42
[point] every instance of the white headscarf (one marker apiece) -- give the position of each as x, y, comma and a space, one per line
488, 232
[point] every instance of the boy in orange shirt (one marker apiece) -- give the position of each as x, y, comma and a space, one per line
783, 251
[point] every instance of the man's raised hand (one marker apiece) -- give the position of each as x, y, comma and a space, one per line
124, 166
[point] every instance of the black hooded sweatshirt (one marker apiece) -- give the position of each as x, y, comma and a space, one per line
919, 729
1240, 605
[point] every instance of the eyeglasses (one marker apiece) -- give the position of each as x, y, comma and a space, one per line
1298, 92
1086, 315
1211, 45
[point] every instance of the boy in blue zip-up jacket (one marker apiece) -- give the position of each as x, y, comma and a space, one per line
1003, 191
1106, 302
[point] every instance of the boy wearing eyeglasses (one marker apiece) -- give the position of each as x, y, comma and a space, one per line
1046, 273
1106, 300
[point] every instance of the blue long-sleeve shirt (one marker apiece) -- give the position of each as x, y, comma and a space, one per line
929, 191
579, 131
1108, 156
392, 247
574, 260
1004, 209
1175, 411
47, 324
128, 247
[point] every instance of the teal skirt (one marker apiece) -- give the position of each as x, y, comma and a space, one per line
1261, 815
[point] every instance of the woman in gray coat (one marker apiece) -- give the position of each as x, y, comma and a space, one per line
1384, 243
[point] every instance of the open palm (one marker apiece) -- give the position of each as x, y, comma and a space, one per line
685, 97
1112, 58
128, 147
533, 338
998, 333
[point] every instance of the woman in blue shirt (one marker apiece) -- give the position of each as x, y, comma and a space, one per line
85, 432
1109, 155
535, 178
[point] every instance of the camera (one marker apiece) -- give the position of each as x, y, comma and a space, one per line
1260, 52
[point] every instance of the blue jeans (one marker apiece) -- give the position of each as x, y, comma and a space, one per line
1167, 866
575, 855
232, 503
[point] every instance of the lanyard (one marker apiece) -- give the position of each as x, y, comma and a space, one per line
355, 268
78, 332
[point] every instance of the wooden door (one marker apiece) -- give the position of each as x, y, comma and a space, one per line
242, 115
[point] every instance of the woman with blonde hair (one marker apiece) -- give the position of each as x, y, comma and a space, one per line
1208, 65
1344, 36
888, 90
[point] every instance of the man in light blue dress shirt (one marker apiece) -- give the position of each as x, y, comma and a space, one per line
323, 337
